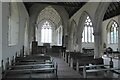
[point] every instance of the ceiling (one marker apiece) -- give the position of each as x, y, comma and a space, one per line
113, 10
49, 14
73, 7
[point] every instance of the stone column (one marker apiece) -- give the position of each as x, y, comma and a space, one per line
34, 42
97, 44
34, 32
79, 42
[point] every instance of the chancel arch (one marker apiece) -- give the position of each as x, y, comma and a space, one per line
62, 13
48, 25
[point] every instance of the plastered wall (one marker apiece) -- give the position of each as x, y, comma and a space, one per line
0, 32
9, 51
0, 36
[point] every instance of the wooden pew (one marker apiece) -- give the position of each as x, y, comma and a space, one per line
86, 51
30, 67
67, 56
31, 64
89, 67
81, 62
27, 63
31, 70
35, 61
70, 57
97, 70
33, 58
82, 58
93, 66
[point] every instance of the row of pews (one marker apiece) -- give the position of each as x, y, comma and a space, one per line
84, 63
37, 64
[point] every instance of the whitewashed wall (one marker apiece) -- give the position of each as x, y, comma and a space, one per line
0, 37
9, 51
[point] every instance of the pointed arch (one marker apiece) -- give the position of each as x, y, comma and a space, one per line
87, 34
80, 28
112, 32
49, 13
110, 22
33, 18
46, 33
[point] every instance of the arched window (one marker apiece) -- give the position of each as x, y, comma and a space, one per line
13, 22
46, 33
87, 35
113, 33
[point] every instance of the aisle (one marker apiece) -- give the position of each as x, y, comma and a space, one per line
64, 71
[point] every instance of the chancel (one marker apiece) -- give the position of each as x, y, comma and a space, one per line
57, 40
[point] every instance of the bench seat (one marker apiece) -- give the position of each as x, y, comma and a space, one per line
98, 70
29, 70
27, 63
93, 66
33, 65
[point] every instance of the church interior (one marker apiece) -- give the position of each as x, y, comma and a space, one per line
59, 40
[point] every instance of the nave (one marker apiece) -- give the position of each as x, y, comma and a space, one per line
46, 40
